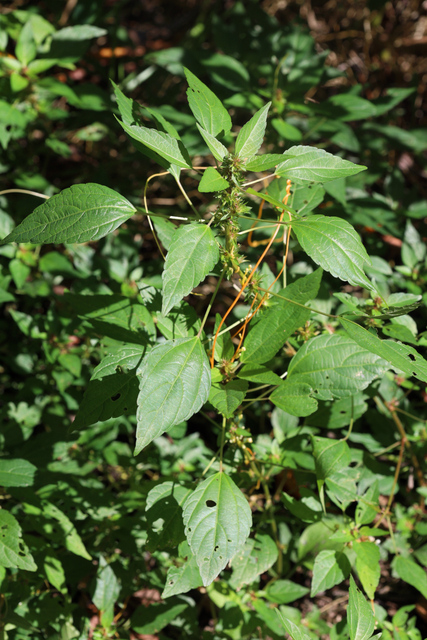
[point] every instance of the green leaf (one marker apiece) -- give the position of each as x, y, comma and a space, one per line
308, 164
16, 473
341, 488
367, 507
14, 553
360, 617
264, 162
292, 629
164, 515
184, 577
192, 255
73, 541
330, 568
113, 387
175, 383
79, 32
330, 456
256, 557
206, 107
82, 213
26, 48
265, 196
106, 592
334, 245
259, 373
335, 366
129, 109
285, 591
400, 356
217, 520
368, 566
159, 142
150, 620
280, 321
251, 134
55, 572
294, 398
227, 398
307, 508
411, 572
215, 146
212, 180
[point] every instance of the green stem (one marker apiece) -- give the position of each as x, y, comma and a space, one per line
208, 310
224, 424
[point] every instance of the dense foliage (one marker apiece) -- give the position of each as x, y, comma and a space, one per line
213, 381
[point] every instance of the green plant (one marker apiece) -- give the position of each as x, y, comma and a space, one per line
273, 411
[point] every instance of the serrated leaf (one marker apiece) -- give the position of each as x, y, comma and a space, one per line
411, 572
256, 557
164, 515
227, 398
175, 383
308, 164
360, 617
280, 321
251, 134
368, 566
400, 356
294, 398
184, 577
212, 180
206, 107
330, 568
336, 246
14, 553
192, 255
215, 146
72, 539
107, 591
335, 366
159, 142
16, 473
81, 213
217, 520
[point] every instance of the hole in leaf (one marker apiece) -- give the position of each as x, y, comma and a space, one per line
211, 504
189, 529
220, 557
116, 397
205, 559
415, 374
229, 540
343, 411
170, 582
216, 548
411, 357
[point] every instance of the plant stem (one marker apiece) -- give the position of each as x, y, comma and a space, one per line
208, 310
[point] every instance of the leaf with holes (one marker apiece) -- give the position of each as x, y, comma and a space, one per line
192, 255
206, 107
307, 164
251, 134
400, 356
217, 521
335, 366
14, 553
334, 245
183, 577
256, 557
175, 383
278, 323
82, 213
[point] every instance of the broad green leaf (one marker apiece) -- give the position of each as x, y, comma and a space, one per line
217, 520
259, 373
129, 109
330, 456
175, 383
411, 572
339, 413
308, 164
306, 198
164, 515
212, 180
55, 572
183, 577
293, 630
307, 508
16, 473
400, 356
360, 617
251, 134
335, 366
72, 539
256, 557
294, 398
348, 107
227, 398
285, 591
113, 387
26, 48
14, 553
368, 566
334, 245
330, 568
81, 213
368, 506
215, 146
150, 620
206, 107
107, 591
341, 488
181, 322
280, 321
163, 144
264, 162
192, 255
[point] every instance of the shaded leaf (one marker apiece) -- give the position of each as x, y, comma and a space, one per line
16, 473
184, 577
14, 553
164, 515
411, 572
256, 557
